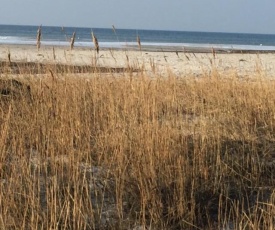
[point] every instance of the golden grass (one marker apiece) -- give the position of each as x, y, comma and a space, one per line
95, 41
120, 152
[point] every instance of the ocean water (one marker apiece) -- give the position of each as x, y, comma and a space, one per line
123, 38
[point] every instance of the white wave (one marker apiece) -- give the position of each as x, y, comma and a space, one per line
15, 40
156, 46
4, 37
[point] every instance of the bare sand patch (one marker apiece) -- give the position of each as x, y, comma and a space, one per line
179, 63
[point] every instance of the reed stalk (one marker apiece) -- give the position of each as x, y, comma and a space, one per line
72, 41
9, 56
38, 37
54, 56
95, 41
213, 53
114, 29
139, 43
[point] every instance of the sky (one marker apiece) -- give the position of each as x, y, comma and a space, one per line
241, 16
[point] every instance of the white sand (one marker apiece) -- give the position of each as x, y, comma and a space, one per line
182, 64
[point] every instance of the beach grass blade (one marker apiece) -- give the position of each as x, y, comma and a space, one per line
38, 37
72, 40
95, 41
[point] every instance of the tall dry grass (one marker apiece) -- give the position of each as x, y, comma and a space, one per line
124, 152
38, 37
72, 41
95, 41
138, 42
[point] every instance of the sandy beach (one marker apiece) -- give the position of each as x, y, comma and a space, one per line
179, 62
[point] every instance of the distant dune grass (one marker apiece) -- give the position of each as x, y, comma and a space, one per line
107, 152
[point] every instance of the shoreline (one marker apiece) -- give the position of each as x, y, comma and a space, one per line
184, 48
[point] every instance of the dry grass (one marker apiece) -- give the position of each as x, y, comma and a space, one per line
134, 151
95, 41
138, 42
38, 37
72, 41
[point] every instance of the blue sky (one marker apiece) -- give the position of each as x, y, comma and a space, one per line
248, 16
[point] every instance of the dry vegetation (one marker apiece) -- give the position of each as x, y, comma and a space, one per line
136, 152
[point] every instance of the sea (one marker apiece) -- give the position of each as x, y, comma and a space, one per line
117, 38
